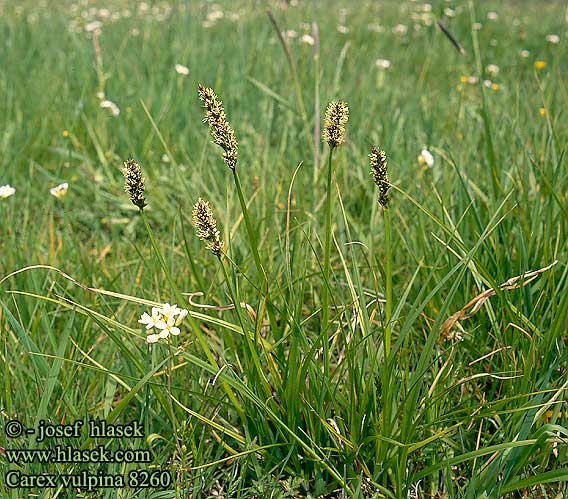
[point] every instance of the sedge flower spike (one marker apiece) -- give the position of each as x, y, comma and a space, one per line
221, 131
336, 116
378, 160
134, 183
206, 226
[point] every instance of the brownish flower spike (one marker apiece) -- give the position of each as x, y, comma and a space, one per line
378, 160
336, 116
206, 226
134, 183
221, 131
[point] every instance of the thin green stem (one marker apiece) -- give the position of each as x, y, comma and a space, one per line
327, 264
251, 233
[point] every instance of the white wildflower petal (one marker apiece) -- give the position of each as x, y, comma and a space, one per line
182, 70
175, 331
426, 158
161, 324
152, 338
164, 333
181, 316
6, 191
60, 190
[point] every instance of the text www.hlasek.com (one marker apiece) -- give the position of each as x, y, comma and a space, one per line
68, 454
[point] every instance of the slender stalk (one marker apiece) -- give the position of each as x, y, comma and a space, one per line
250, 232
386, 378
388, 281
327, 264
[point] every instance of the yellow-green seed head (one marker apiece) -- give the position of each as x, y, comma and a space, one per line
206, 226
378, 160
336, 116
221, 131
134, 183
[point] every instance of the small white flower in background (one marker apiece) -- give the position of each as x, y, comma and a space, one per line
375, 28
182, 70
383, 63
290, 33
554, 39
60, 190
525, 54
492, 69
472, 80
487, 83
426, 158
6, 191
449, 12
492, 16
342, 29
108, 104
100, 95
309, 39
93, 26
427, 7
165, 158
400, 29
164, 320
477, 26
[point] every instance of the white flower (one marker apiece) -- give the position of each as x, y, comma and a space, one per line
492, 69
554, 39
400, 29
152, 338
100, 95
290, 33
60, 190
151, 320
492, 16
169, 311
487, 83
181, 316
472, 80
426, 158
376, 28
93, 26
477, 26
182, 70
449, 12
342, 29
309, 39
107, 104
6, 191
525, 54
427, 7
383, 63
168, 327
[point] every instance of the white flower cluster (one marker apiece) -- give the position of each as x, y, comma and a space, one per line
166, 319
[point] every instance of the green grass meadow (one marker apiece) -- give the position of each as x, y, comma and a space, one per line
336, 348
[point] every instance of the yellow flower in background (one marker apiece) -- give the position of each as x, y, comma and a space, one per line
65, 133
539, 64
59, 191
463, 78
542, 111
495, 87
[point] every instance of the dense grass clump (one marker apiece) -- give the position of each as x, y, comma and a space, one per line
281, 322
